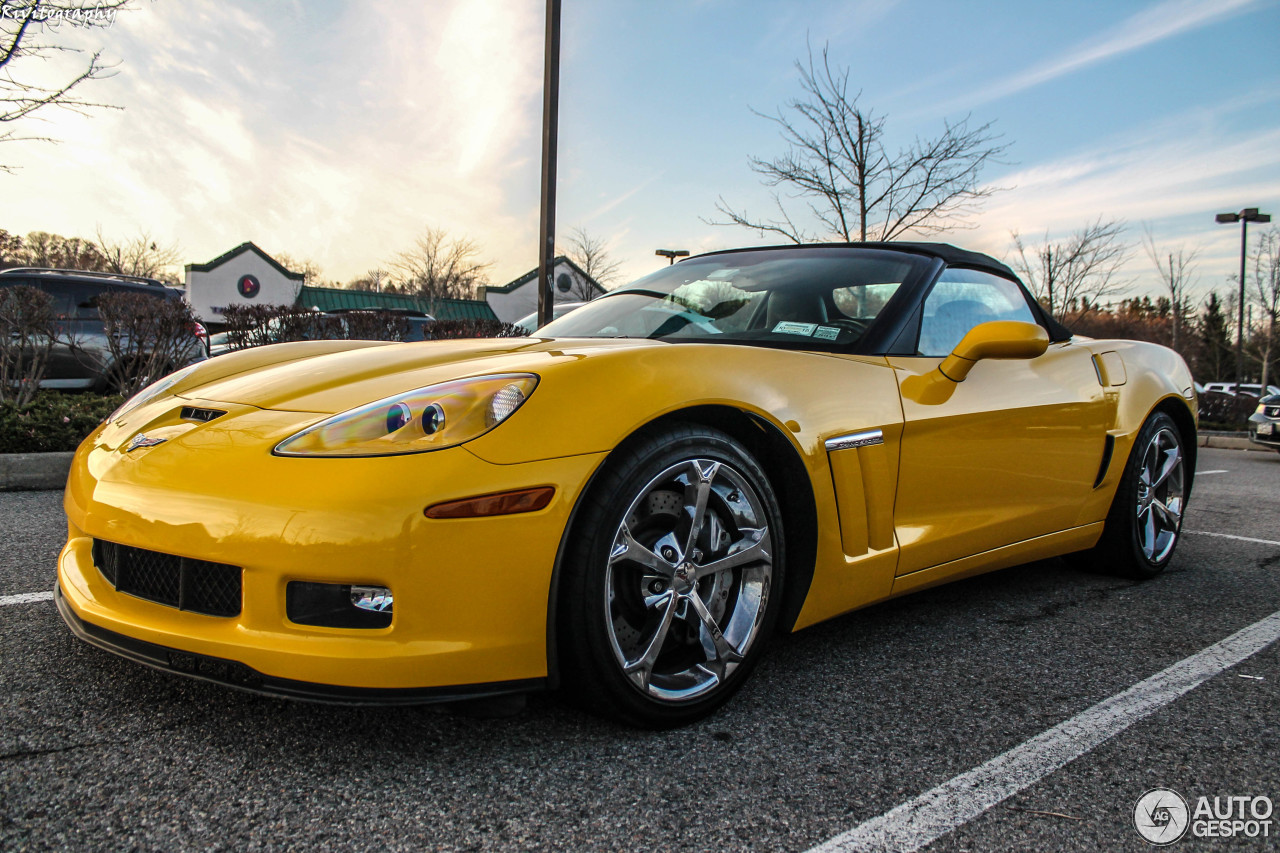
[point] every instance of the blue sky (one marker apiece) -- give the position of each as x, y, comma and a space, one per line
338, 131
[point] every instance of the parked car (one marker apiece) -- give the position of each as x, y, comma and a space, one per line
1264, 424
529, 322
741, 443
1247, 389
81, 358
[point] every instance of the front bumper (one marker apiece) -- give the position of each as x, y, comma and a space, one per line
237, 675
471, 595
1271, 437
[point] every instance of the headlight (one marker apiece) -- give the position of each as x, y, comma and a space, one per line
1261, 410
152, 391
430, 418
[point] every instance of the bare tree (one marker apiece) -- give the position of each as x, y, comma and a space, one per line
310, 270
591, 254
1175, 270
853, 186
27, 334
375, 280
441, 267
147, 337
140, 255
1266, 284
24, 34
42, 249
1082, 268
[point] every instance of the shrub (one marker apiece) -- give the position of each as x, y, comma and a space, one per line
1226, 411
257, 325
52, 421
147, 337
27, 333
376, 326
445, 330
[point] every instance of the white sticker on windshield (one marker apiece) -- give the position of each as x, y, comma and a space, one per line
787, 328
827, 333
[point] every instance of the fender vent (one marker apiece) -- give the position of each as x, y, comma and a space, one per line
1108, 448
191, 413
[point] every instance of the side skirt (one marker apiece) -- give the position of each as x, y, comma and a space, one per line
1039, 548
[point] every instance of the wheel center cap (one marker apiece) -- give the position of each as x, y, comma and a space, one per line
684, 578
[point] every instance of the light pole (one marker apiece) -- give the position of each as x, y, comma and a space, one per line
550, 130
672, 254
1244, 217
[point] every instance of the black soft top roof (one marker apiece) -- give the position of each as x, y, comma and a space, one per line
952, 255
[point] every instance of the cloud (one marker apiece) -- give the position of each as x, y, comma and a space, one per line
1175, 181
337, 138
1161, 21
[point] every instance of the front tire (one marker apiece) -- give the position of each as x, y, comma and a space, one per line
673, 582
1145, 520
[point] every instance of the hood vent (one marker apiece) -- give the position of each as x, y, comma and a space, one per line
192, 413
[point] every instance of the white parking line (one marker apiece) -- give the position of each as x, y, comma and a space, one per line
25, 598
954, 803
1215, 471
1229, 536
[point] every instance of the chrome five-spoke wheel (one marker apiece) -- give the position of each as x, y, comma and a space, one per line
1159, 495
1145, 520
687, 581
672, 585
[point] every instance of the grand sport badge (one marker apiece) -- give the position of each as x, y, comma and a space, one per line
143, 440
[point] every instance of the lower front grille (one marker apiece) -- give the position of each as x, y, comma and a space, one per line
195, 585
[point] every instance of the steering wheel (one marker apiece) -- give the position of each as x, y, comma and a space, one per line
849, 324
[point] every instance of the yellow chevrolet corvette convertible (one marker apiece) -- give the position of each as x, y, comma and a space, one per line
632, 502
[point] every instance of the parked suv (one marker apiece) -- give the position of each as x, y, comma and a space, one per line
81, 357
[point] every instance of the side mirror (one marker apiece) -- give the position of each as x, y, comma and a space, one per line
997, 339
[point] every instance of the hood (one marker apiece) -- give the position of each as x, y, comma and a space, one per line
333, 382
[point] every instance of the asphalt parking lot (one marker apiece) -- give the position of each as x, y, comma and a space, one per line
842, 723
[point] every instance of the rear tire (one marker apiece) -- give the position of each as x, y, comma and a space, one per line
673, 581
1145, 520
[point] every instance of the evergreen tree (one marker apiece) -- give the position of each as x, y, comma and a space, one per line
1215, 356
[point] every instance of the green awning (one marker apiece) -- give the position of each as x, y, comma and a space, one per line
337, 298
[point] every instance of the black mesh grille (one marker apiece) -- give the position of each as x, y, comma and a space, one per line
196, 585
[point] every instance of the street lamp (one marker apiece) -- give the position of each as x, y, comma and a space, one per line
1244, 217
672, 254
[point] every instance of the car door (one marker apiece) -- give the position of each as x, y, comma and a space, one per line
1008, 454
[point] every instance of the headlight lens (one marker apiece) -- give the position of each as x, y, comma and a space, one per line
430, 418
152, 391
1261, 410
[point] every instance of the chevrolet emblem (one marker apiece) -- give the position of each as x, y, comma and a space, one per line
143, 440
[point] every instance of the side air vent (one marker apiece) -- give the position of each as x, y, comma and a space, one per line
191, 413
1108, 448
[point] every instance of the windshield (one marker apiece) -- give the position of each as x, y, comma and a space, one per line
796, 298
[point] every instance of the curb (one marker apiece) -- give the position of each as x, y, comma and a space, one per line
1228, 441
21, 472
